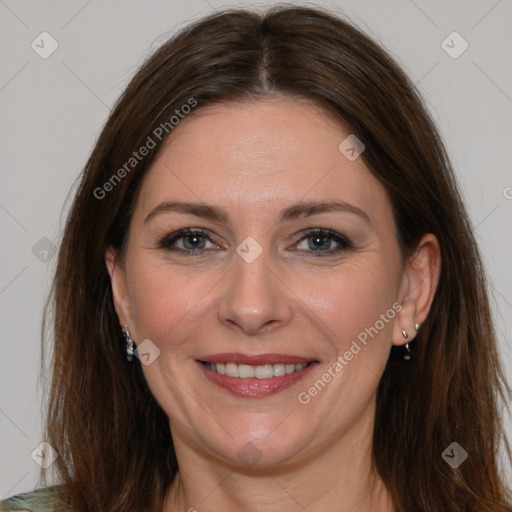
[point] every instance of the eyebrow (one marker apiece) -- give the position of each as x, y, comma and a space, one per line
295, 211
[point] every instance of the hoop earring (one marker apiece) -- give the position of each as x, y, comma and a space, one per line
129, 345
407, 355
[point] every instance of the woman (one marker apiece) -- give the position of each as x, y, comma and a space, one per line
268, 295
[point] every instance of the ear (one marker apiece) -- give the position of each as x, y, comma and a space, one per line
119, 288
418, 286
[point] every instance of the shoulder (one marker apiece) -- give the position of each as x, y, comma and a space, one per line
40, 500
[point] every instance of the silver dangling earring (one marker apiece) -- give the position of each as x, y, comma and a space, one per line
129, 345
407, 356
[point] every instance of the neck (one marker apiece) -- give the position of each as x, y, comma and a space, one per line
341, 478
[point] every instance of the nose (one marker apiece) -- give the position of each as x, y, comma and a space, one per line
255, 299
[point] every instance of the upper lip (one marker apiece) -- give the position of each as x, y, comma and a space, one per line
255, 359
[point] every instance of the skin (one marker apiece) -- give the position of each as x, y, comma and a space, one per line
253, 159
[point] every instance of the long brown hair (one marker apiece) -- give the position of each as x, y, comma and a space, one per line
113, 439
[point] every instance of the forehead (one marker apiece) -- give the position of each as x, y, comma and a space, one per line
259, 154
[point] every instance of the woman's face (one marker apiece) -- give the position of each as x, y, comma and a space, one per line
225, 264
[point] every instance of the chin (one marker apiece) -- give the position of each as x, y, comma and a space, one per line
264, 448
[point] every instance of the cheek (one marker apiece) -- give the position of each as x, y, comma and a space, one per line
164, 300
355, 303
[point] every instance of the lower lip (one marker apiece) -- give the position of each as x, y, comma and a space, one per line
253, 387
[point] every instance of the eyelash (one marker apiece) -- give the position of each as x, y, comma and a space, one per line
167, 241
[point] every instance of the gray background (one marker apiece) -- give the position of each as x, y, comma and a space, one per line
52, 110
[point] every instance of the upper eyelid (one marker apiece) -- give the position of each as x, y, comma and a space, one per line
181, 233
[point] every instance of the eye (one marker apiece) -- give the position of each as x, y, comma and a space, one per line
316, 242
188, 242
319, 242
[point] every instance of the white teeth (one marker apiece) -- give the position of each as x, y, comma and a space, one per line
279, 370
232, 370
264, 371
245, 371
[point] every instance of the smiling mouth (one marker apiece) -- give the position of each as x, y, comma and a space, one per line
264, 371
